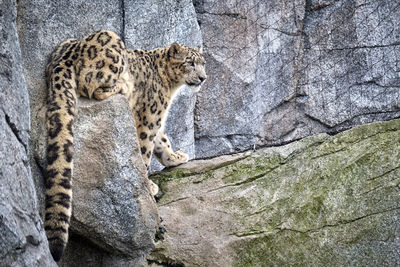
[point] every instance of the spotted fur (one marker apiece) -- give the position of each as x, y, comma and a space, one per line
99, 66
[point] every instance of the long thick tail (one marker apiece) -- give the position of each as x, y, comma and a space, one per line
61, 101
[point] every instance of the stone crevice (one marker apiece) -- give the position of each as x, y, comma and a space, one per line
249, 234
294, 34
319, 6
374, 82
383, 174
313, 230
122, 4
319, 48
175, 200
15, 131
349, 221
226, 14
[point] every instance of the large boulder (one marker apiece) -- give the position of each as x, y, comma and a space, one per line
22, 238
114, 215
280, 71
322, 201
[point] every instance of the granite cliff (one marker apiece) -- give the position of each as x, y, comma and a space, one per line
279, 72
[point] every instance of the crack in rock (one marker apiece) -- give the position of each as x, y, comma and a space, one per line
15, 131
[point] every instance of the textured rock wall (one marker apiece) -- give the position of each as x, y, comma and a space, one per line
22, 238
113, 212
321, 201
278, 71
283, 70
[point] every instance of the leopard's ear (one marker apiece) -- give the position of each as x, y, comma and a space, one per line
175, 51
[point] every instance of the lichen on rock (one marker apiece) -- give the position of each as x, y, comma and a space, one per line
321, 201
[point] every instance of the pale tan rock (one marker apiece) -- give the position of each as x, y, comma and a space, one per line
321, 201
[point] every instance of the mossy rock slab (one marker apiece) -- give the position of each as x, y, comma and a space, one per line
322, 201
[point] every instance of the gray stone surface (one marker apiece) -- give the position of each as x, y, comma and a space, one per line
113, 211
277, 71
350, 75
250, 47
151, 23
22, 238
320, 201
280, 71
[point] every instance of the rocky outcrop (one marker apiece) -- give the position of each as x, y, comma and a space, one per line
321, 201
22, 238
280, 71
277, 72
113, 212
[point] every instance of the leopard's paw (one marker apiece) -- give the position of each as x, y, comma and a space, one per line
153, 187
181, 157
176, 158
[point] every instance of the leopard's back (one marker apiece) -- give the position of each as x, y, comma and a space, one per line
102, 60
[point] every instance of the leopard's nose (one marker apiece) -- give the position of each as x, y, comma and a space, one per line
201, 78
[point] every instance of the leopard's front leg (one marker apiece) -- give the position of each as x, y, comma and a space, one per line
146, 143
164, 152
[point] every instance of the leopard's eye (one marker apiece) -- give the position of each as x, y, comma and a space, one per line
190, 63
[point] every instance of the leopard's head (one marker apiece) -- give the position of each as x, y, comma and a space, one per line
188, 65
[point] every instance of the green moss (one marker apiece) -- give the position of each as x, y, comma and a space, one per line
317, 202
251, 168
177, 173
284, 248
169, 175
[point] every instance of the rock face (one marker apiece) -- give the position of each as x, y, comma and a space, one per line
22, 238
280, 71
321, 201
113, 211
